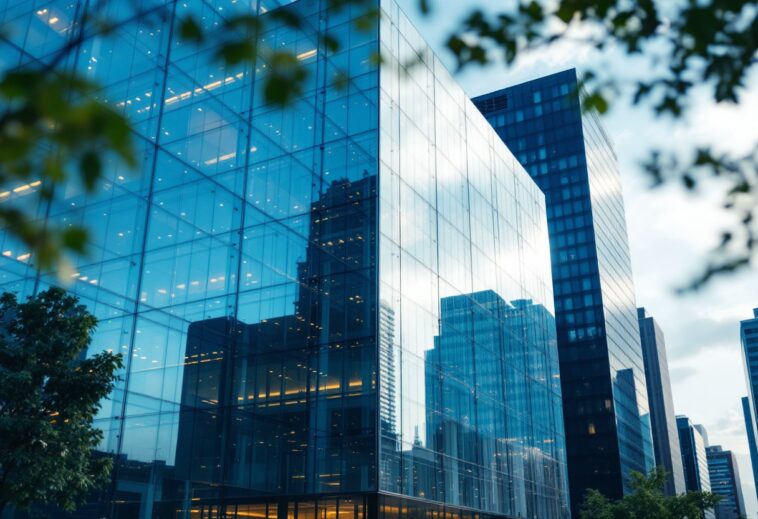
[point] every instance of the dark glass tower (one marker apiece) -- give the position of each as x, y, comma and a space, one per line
570, 157
749, 341
750, 428
662, 416
277, 277
694, 458
725, 481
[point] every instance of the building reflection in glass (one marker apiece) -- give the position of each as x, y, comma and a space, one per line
493, 402
288, 405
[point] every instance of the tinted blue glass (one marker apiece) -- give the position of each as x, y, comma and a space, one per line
750, 427
662, 416
468, 352
749, 340
725, 482
602, 372
693, 446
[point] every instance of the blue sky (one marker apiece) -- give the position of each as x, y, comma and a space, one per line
670, 231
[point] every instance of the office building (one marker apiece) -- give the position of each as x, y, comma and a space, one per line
749, 341
662, 415
694, 458
571, 158
750, 429
340, 309
703, 434
725, 481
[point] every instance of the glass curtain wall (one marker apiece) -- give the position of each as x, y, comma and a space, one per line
236, 269
316, 304
465, 271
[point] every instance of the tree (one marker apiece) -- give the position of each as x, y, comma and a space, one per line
49, 396
647, 501
53, 130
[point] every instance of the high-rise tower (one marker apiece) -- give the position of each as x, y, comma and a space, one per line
571, 158
724, 474
276, 276
749, 342
662, 416
694, 458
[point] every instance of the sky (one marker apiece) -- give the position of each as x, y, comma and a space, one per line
670, 231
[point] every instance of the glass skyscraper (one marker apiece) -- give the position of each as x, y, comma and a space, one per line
750, 428
694, 458
725, 481
749, 341
571, 158
662, 416
338, 310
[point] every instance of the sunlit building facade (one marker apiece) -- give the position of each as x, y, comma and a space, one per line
750, 429
662, 415
338, 310
569, 155
694, 458
749, 341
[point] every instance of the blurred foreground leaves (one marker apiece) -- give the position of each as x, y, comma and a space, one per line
53, 131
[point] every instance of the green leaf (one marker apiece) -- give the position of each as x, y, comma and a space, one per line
190, 30
75, 239
331, 43
236, 52
90, 169
289, 17
595, 101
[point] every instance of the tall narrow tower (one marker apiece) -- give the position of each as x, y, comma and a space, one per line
571, 158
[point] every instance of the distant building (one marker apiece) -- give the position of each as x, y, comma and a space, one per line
704, 433
662, 416
694, 458
749, 340
750, 427
725, 481
569, 155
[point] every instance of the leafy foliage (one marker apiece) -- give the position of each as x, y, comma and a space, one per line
49, 395
689, 45
51, 131
647, 501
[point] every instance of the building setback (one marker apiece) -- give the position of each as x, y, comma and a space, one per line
662, 416
694, 458
605, 401
749, 342
339, 310
725, 481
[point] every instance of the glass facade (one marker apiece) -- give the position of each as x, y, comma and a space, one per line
694, 458
725, 481
750, 427
568, 154
662, 417
749, 340
338, 310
